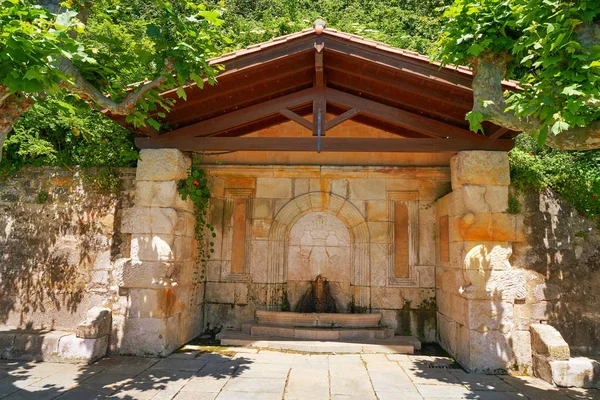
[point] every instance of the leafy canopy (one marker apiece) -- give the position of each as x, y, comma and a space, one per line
124, 41
549, 50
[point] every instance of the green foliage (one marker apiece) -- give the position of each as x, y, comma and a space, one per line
50, 134
401, 23
575, 175
514, 207
104, 180
559, 74
125, 41
195, 187
42, 197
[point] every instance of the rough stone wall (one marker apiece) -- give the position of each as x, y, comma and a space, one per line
561, 257
56, 254
278, 197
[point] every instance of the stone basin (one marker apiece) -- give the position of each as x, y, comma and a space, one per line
324, 320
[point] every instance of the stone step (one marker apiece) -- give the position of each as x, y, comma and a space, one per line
317, 333
395, 345
52, 346
288, 318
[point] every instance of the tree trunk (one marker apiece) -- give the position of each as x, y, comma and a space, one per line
488, 72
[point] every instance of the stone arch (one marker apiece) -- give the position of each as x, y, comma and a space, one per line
354, 221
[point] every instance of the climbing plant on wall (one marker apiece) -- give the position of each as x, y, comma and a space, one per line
195, 187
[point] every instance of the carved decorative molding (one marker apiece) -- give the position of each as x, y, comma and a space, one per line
227, 252
359, 237
411, 199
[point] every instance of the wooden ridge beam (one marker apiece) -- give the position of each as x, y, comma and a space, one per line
309, 144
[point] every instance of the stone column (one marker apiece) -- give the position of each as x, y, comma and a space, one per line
164, 295
476, 284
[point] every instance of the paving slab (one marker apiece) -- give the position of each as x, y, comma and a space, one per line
255, 385
307, 384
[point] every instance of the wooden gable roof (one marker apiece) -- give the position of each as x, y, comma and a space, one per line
343, 75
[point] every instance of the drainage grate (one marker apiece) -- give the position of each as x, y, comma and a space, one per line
444, 366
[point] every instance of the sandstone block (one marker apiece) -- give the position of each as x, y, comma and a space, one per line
274, 188
240, 183
319, 185
146, 274
479, 168
490, 352
481, 256
97, 323
479, 199
380, 232
150, 336
380, 256
367, 189
546, 341
263, 209
490, 227
162, 165
300, 187
386, 298
148, 303
485, 316
521, 344
426, 275
339, 187
220, 292
378, 210
241, 294
161, 194
145, 247
579, 372
72, 349
531, 313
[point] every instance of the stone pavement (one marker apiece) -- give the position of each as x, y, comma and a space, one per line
241, 373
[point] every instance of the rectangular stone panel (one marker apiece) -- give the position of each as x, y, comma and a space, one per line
401, 240
238, 250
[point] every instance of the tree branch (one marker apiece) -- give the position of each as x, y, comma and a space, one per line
488, 71
87, 91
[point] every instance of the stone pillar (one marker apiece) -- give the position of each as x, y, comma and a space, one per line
164, 295
476, 284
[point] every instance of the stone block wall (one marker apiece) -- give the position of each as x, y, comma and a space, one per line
282, 249
160, 277
477, 288
59, 238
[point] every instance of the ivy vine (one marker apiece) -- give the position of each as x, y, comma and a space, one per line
195, 186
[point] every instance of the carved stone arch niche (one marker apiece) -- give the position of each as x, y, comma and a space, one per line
360, 269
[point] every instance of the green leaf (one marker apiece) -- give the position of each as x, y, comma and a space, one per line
559, 126
475, 118
476, 49
153, 31
181, 93
65, 19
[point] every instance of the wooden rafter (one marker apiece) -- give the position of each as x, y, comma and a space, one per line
405, 119
327, 144
341, 118
296, 118
244, 116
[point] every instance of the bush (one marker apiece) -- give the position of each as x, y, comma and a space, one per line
575, 175
54, 132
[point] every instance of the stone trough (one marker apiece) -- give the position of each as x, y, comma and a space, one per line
327, 320
320, 332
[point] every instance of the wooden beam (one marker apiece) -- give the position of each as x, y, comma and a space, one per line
405, 119
244, 116
327, 144
341, 118
319, 112
296, 118
319, 76
498, 133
